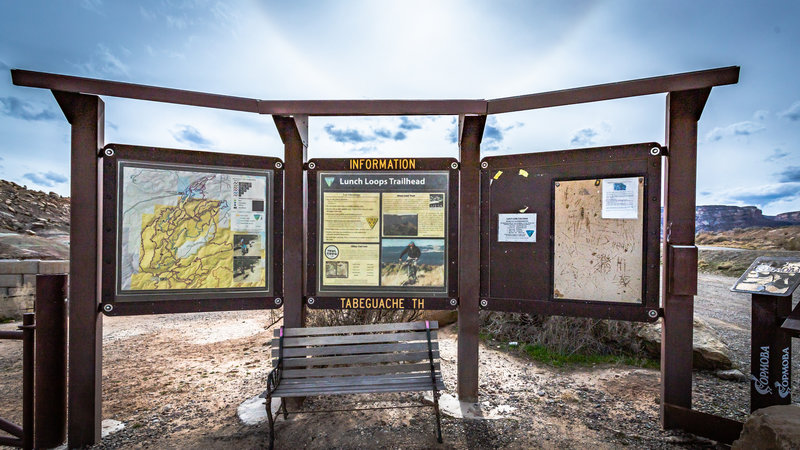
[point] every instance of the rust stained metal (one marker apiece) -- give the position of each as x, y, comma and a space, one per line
470, 132
632, 88
718, 428
50, 377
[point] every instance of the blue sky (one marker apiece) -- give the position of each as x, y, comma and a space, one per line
748, 135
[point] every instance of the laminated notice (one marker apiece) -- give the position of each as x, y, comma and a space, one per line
620, 198
516, 227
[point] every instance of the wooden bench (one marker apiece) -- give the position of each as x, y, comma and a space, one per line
360, 359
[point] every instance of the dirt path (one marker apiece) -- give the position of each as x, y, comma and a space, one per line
176, 382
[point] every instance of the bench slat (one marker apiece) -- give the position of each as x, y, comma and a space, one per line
358, 370
355, 339
408, 387
354, 359
363, 380
346, 329
353, 349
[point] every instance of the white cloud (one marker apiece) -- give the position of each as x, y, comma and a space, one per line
745, 128
792, 113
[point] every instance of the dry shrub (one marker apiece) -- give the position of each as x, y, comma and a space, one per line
565, 335
333, 317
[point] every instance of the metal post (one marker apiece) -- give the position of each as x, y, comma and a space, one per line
50, 379
770, 352
470, 133
86, 114
683, 111
294, 134
28, 328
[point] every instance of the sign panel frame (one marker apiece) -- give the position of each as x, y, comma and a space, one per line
519, 276
116, 301
770, 265
367, 297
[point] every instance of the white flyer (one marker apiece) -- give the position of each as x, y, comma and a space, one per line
620, 198
516, 227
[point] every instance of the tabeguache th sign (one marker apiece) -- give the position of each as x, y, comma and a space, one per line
382, 233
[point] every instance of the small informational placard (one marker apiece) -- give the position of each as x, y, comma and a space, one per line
620, 198
770, 276
516, 227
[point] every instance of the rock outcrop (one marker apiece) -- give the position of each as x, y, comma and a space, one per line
708, 351
775, 427
32, 212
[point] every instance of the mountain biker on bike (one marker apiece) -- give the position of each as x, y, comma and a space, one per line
414, 253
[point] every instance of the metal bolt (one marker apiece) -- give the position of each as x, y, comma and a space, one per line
310, 300
652, 313
454, 165
278, 301
453, 302
484, 303
655, 151
108, 307
484, 165
311, 165
558, 184
108, 152
278, 164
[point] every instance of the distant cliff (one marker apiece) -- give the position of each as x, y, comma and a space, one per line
723, 218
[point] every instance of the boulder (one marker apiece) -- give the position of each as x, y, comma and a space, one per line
443, 317
709, 352
774, 427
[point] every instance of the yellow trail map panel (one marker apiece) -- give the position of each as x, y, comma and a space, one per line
418, 214
191, 229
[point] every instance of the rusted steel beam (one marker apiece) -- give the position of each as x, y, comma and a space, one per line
371, 107
28, 328
294, 134
703, 424
683, 111
10, 441
12, 335
10, 428
770, 352
50, 379
81, 85
633, 88
86, 113
470, 134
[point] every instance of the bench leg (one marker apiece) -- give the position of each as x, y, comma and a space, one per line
271, 423
438, 417
285, 411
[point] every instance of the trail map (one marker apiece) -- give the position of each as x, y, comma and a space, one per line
191, 229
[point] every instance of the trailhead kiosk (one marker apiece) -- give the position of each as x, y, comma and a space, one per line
567, 232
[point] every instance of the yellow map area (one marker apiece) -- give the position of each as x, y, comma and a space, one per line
171, 227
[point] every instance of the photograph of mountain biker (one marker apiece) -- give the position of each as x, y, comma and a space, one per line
413, 254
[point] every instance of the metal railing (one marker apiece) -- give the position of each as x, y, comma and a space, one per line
44, 369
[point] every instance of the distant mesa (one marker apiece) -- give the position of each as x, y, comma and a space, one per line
715, 218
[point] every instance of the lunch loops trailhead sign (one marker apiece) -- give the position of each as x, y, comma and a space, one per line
188, 231
384, 233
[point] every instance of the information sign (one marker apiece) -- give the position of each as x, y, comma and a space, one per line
382, 234
183, 227
769, 275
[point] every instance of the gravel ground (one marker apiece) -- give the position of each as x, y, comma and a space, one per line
176, 382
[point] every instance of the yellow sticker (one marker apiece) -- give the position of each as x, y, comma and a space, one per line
523, 209
523, 172
372, 221
497, 175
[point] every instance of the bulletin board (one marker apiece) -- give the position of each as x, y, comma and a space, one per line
573, 232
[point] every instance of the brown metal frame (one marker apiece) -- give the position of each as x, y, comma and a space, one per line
637, 160
431, 301
687, 93
114, 304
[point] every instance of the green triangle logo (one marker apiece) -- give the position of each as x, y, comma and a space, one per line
329, 180
530, 232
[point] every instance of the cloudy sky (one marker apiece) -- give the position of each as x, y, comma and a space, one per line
748, 135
